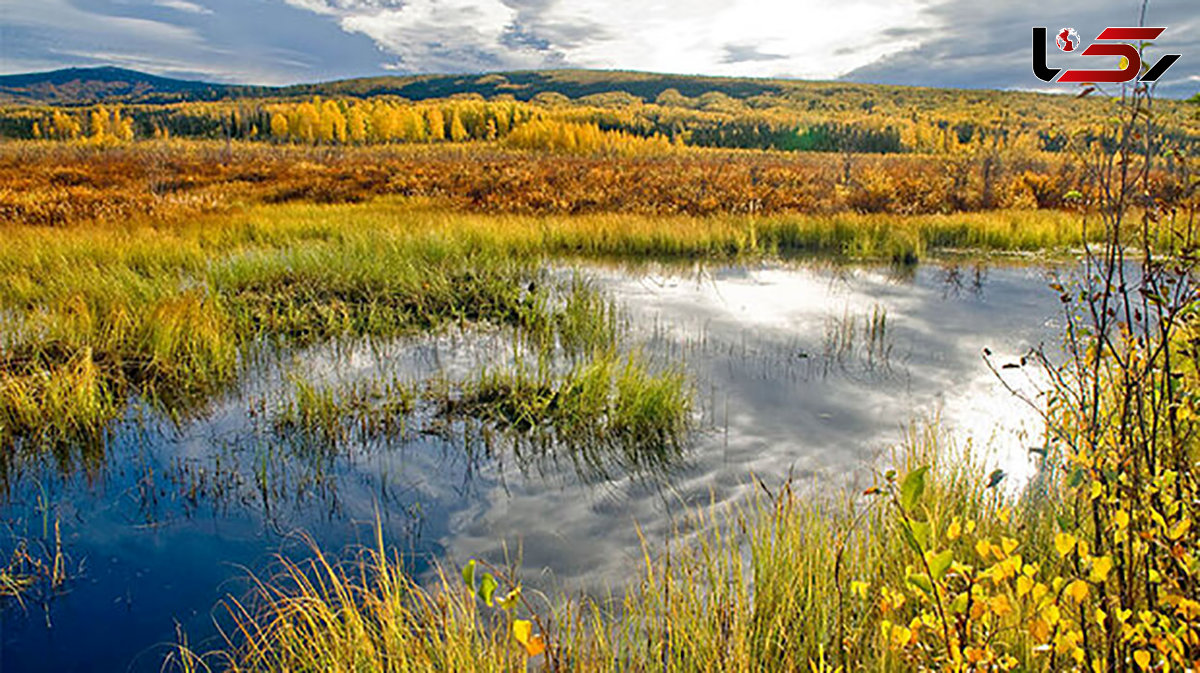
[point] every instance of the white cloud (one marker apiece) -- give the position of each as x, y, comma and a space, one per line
183, 6
433, 35
743, 37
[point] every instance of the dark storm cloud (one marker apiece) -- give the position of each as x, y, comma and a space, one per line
988, 45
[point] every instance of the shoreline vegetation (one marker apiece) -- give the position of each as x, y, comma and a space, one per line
166, 306
154, 268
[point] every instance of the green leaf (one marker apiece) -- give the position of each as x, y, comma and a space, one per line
920, 530
469, 574
921, 581
912, 487
959, 605
939, 564
910, 539
487, 588
1065, 524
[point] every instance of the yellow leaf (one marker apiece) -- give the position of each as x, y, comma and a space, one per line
1101, 565
859, 589
1024, 585
1179, 529
1124, 63
983, 548
521, 629
1077, 590
1064, 543
954, 531
1000, 605
1142, 657
1008, 545
1121, 519
1039, 629
534, 645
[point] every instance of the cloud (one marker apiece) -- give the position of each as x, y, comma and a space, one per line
252, 41
183, 6
958, 43
988, 44
742, 53
742, 37
445, 35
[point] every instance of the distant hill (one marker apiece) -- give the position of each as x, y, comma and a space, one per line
91, 85
75, 86
82, 86
525, 85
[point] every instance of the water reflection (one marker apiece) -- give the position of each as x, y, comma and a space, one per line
808, 370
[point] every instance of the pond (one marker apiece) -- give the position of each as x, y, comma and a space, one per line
808, 371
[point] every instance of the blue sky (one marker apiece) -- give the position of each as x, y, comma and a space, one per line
972, 44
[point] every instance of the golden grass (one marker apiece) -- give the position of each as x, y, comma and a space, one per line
94, 313
767, 585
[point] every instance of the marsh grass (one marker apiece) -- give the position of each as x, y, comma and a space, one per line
37, 565
332, 415
170, 310
861, 339
608, 409
789, 579
359, 613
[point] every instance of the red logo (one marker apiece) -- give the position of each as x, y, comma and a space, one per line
1118, 40
1067, 39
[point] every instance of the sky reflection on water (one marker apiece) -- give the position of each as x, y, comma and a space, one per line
806, 370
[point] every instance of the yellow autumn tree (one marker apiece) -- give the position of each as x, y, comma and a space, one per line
303, 124
356, 125
435, 123
98, 124
458, 132
383, 122
279, 126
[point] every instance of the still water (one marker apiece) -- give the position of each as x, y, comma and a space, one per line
809, 370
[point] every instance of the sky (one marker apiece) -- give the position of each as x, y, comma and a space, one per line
958, 43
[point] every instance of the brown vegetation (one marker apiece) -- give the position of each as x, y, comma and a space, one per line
55, 184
